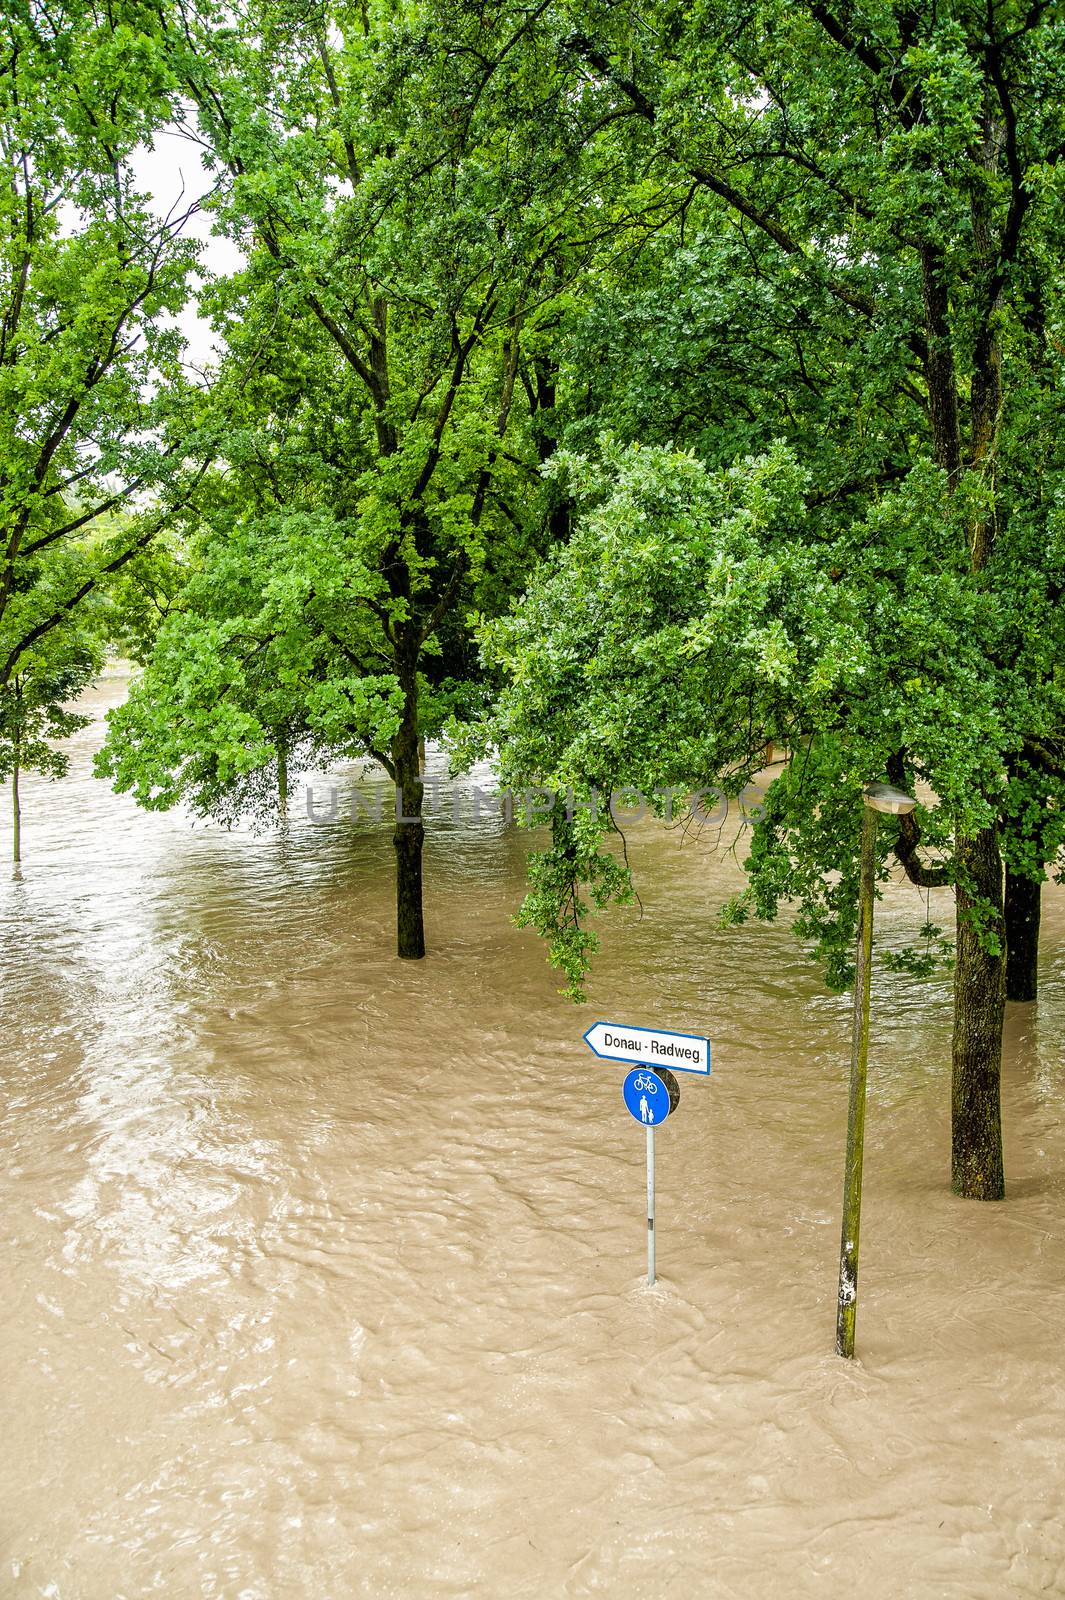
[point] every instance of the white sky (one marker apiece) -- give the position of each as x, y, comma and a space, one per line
175, 163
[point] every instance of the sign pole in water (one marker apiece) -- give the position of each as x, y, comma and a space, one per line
878, 797
649, 1098
650, 1207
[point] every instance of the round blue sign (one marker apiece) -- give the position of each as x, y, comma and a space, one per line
647, 1097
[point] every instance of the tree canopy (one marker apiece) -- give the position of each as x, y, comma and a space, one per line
864, 270
621, 390
94, 409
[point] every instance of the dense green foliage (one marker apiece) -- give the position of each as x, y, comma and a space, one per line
749, 331
707, 362
35, 711
393, 329
690, 621
866, 268
94, 411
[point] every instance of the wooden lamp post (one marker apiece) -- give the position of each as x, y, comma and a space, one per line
878, 797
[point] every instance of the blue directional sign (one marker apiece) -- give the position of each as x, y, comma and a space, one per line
647, 1097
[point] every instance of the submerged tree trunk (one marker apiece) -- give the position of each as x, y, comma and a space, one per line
1023, 908
979, 1010
16, 810
16, 766
409, 831
282, 781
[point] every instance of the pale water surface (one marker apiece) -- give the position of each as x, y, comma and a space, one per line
323, 1273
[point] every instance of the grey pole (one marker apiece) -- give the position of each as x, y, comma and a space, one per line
878, 797
650, 1206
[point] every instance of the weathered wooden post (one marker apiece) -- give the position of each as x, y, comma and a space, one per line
878, 797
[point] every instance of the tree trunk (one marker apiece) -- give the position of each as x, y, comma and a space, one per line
282, 781
409, 832
16, 763
16, 810
545, 397
980, 976
1023, 907
940, 377
979, 1011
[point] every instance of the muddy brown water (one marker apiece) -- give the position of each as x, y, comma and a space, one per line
324, 1273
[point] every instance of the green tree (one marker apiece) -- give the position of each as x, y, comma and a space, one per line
690, 620
403, 273
34, 710
92, 399
891, 175
264, 662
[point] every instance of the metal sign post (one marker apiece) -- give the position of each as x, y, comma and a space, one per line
651, 1207
649, 1098
650, 1091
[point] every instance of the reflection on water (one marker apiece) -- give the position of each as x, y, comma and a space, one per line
324, 1270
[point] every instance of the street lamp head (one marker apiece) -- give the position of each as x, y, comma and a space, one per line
882, 797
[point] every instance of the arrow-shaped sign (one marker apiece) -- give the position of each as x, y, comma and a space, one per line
616, 1041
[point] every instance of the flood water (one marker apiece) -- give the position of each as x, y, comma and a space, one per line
324, 1273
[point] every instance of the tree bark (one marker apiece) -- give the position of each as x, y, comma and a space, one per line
282, 781
542, 389
980, 973
979, 1011
16, 764
16, 810
1023, 907
940, 377
409, 833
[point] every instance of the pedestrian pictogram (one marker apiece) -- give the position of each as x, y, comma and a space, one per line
647, 1097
